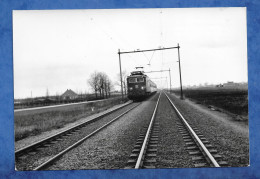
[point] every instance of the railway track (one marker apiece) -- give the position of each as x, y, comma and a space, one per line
200, 150
144, 152
41, 154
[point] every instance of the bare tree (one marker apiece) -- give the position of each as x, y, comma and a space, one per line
105, 79
124, 75
100, 77
100, 82
93, 81
109, 86
105, 85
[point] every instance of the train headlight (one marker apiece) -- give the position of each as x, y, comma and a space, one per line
142, 87
130, 88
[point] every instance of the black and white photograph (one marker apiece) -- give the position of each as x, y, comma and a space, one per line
130, 88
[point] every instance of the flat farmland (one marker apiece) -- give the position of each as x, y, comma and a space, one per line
33, 122
232, 100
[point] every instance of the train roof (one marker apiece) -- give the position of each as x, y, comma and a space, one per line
134, 73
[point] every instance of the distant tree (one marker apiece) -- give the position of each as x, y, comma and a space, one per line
93, 81
105, 85
100, 83
109, 87
124, 75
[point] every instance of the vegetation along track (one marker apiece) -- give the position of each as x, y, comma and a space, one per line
144, 152
39, 155
199, 148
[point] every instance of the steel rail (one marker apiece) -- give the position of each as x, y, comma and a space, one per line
205, 150
33, 145
51, 160
140, 156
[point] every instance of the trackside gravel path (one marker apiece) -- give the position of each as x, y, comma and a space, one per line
230, 138
111, 147
171, 147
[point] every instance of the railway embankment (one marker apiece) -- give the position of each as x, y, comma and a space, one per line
229, 136
233, 101
170, 145
111, 148
37, 124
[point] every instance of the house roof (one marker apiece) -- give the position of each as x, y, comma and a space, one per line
69, 92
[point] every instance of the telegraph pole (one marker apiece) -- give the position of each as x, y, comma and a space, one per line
170, 79
180, 69
122, 93
167, 83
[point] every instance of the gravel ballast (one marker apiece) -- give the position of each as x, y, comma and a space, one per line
28, 162
171, 147
111, 147
228, 136
31, 139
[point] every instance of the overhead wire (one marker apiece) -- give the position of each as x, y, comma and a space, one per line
151, 57
149, 60
102, 30
130, 45
161, 37
116, 44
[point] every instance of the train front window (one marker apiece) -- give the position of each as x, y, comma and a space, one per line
132, 80
140, 79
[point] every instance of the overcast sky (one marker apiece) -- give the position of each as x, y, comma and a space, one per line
59, 49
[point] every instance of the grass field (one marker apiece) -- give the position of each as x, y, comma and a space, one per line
230, 99
28, 123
